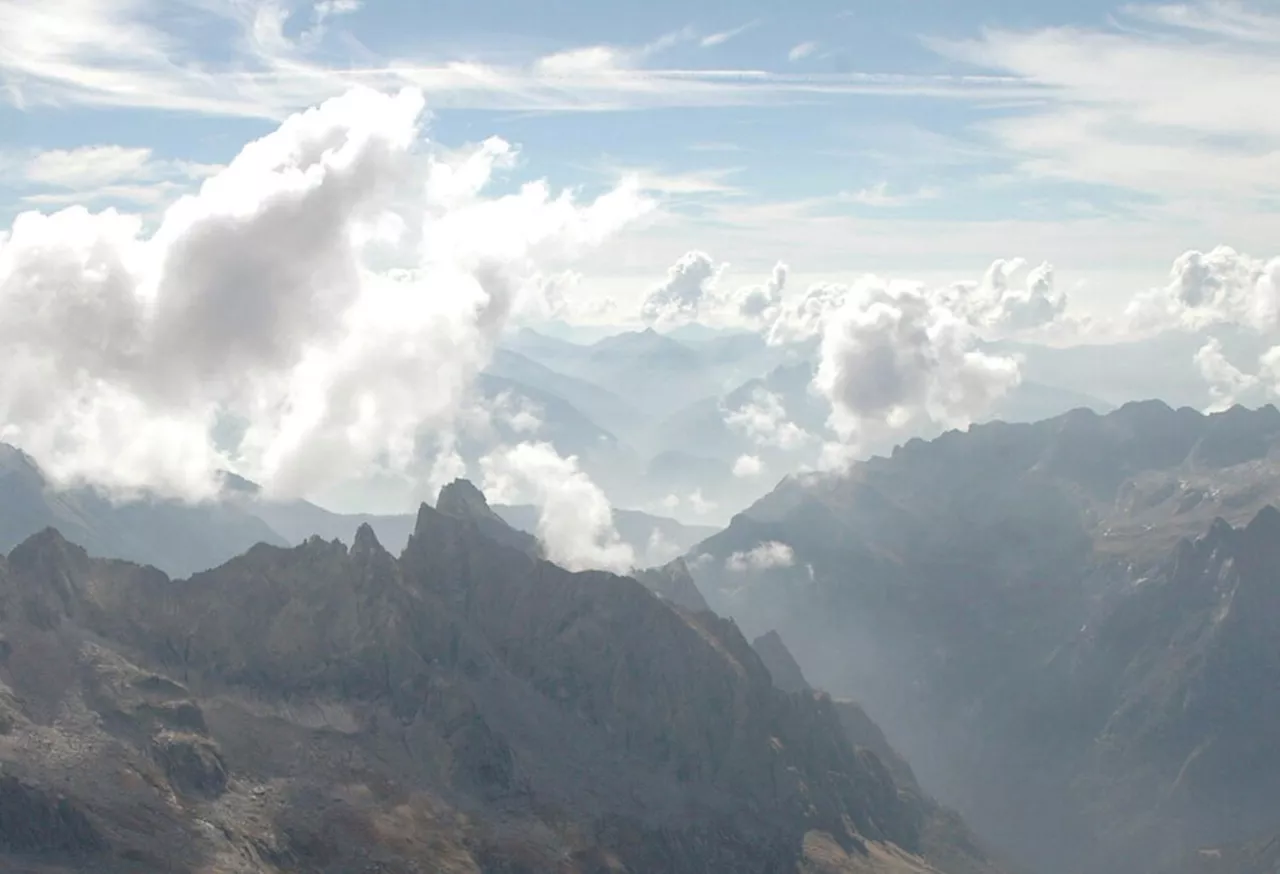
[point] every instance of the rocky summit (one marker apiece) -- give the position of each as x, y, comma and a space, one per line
466, 707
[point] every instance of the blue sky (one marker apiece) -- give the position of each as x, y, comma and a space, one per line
922, 138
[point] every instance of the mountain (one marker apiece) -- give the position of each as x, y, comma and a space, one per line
1161, 366
994, 598
653, 372
595, 403
463, 708
673, 582
179, 537
782, 666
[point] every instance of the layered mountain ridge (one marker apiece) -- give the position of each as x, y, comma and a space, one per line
1062, 624
465, 707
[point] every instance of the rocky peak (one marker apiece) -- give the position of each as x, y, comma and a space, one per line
674, 583
47, 570
782, 666
1265, 526
462, 500
368, 554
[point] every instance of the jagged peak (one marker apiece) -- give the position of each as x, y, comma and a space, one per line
1219, 529
233, 483
45, 546
463, 500
428, 518
1265, 523
782, 665
366, 541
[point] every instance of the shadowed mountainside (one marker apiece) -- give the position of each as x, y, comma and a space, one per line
1020, 607
465, 707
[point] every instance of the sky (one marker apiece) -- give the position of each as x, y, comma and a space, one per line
921, 139
285, 237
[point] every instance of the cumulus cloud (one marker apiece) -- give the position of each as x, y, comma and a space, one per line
761, 304
575, 520
1219, 287
890, 360
1226, 381
678, 300
700, 505
1011, 298
803, 319
766, 556
326, 299
747, 466
764, 420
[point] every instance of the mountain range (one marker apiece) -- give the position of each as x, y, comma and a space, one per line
183, 538
466, 707
1066, 626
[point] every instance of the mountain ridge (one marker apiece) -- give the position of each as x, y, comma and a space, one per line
465, 704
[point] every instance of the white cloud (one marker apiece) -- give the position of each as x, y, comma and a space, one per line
88, 166
700, 505
1171, 114
580, 62
1222, 286
659, 550
761, 304
803, 319
575, 520
764, 420
120, 54
723, 36
1269, 372
1011, 298
894, 359
1226, 382
100, 172
748, 466
801, 51
678, 300
329, 8
766, 556
255, 302
878, 195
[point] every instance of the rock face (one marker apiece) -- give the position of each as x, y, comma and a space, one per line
1048, 621
464, 708
782, 666
674, 583
462, 500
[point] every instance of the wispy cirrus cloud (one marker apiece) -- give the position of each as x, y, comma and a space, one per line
1165, 102
723, 36
124, 53
88, 174
879, 195
801, 51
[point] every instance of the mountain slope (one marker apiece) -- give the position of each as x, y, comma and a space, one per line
181, 538
464, 708
957, 588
